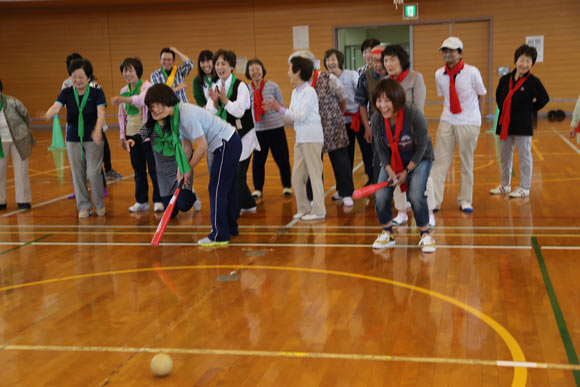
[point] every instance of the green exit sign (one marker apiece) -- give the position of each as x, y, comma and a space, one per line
411, 11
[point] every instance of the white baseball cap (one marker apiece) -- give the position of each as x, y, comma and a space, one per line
453, 43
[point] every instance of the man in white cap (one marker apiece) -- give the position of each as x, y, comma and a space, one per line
462, 87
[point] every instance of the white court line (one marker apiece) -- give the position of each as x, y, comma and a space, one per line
324, 227
288, 354
566, 140
57, 199
242, 244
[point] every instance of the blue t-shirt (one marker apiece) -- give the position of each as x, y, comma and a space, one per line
406, 143
96, 98
195, 122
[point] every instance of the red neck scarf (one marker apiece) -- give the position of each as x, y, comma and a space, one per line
399, 78
258, 101
578, 128
396, 161
315, 78
506, 108
454, 104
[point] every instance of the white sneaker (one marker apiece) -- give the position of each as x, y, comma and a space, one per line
347, 201
431, 220
101, 211
85, 213
197, 204
336, 196
520, 193
401, 218
245, 210
287, 192
158, 207
500, 190
384, 240
298, 215
466, 207
139, 207
427, 244
313, 217
257, 193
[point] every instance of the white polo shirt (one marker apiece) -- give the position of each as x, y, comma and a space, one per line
469, 87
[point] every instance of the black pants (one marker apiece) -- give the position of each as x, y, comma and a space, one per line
107, 155
366, 149
342, 173
245, 199
142, 159
274, 139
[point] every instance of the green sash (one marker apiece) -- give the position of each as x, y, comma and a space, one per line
169, 143
222, 110
81, 106
132, 109
1, 106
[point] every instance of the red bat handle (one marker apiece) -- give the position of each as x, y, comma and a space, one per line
165, 219
368, 190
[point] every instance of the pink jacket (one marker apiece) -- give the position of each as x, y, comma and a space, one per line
137, 100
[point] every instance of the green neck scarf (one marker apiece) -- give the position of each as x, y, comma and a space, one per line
132, 109
81, 106
222, 110
2, 106
208, 80
169, 143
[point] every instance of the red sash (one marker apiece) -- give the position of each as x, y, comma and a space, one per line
258, 101
506, 108
399, 78
396, 161
355, 124
454, 104
578, 128
315, 78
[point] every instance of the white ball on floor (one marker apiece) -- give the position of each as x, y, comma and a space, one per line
161, 364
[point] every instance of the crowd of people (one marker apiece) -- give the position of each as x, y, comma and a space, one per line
380, 106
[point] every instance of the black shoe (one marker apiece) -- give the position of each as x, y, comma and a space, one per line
3, 206
24, 206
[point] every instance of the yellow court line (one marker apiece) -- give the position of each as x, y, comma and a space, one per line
520, 373
536, 149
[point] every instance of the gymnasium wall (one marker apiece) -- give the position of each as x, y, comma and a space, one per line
36, 37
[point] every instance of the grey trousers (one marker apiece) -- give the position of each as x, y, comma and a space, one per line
506, 155
90, 167
21, 177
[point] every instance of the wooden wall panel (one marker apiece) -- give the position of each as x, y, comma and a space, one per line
427, 59
35, 41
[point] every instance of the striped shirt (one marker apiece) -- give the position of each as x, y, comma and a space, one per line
182, 73
270, 119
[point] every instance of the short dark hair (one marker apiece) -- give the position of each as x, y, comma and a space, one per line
392, 90
161, 93
84, 64
258, 62
229, 56
339, 57
167, 49
400, 52
305, 66
369, 43
70, 58
527, 51
203, 56
135, 63
1, 86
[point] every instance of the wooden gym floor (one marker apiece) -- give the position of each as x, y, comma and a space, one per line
88, 302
